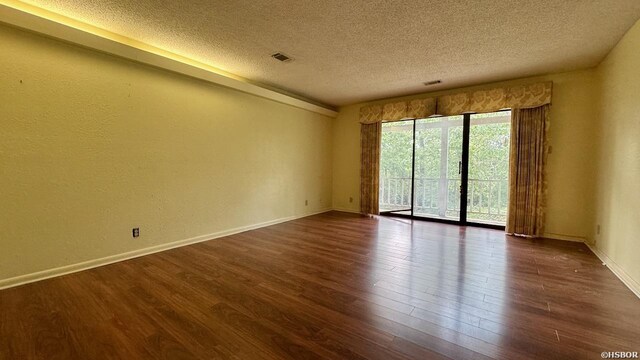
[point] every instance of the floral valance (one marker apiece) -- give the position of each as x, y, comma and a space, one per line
479, 101
482, 101
410, 109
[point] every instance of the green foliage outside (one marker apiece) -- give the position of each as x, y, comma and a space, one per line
488, 165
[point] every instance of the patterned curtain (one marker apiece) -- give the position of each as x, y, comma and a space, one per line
490, 100
411, 109
370, 135
527, 183
529, 104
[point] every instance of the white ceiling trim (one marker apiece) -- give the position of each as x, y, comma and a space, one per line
60, 27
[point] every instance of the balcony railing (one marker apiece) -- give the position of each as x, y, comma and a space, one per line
486, 201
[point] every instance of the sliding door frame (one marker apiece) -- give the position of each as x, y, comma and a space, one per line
464, 180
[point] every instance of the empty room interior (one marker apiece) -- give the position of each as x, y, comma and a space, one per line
278, 179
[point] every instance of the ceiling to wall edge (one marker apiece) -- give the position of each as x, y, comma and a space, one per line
31, 18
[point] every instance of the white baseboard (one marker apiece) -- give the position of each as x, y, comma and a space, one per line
617, 270
565, 237
85, 265
346, 210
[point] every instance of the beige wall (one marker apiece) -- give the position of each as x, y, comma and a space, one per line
92, 146
571, 163
618, 169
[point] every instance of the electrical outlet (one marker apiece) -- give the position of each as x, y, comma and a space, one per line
598, 230
306, 202
136, 232
350, 199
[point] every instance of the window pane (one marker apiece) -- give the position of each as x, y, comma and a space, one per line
488, 192
437, 175
395, 166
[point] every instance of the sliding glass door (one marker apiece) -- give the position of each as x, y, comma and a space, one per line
438, 156
488, 184
396, 167
451, 169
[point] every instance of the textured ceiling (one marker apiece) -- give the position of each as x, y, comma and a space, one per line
347, 51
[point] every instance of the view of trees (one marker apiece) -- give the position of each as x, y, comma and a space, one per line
437, 178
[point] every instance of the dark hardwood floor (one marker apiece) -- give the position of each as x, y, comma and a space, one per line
335, 286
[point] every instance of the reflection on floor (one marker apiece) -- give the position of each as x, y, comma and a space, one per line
334, 285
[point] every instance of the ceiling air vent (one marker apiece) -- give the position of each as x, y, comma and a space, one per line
282, 57
432, 82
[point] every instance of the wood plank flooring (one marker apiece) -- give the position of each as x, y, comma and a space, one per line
332, 286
